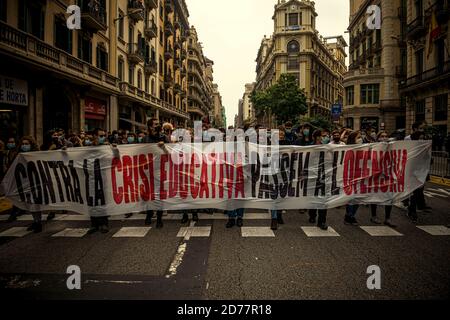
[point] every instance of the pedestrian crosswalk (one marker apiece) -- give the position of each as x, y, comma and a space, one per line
193, 231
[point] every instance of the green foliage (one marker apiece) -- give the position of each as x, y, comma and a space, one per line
319, 122
284, 99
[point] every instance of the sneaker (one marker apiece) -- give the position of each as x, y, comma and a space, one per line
185, 218
128, 215
312, 220
354, 222
389, 224
274, 224
159, 223
347, 220
375, 220
51, 216
280, 219
323, 226
195, 217
104, 228
231, 223
240, 222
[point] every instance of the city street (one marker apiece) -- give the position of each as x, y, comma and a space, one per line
206, 261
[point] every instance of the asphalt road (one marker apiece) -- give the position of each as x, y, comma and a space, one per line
216, 263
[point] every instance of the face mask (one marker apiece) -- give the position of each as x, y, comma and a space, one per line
130, 139
87, 142
26, 148
359, 141
101, 140
384, 139
306, 132
11, 146
140, 139
374, 136
116, 136
288, 131
325, 140
337, 139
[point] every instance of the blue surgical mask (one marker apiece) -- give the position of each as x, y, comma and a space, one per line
140, 139
101, 140
130, 139
11, 146
306, 132
26, 148
325, 140
88, 142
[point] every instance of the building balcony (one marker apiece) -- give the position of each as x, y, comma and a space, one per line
416, 27
151, 67
169, 6
93, 17
177, 88
183, 54
427, 78
140, 96
443, 10
151, 4
168, 28
136, 10
177, 24
27, 49
135, 53
168, 54
176, 45
196, 110
151, 30
370, 50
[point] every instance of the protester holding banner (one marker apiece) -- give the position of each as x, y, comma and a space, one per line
382, 137
155, 135
350, 216
320, 137
307, 138
336, 138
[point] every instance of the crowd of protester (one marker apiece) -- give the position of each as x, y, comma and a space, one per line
161, 134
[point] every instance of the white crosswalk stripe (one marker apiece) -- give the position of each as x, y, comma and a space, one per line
71, 233
17, 232
257, 232
132, 232
315, 232
436, 230
381, 231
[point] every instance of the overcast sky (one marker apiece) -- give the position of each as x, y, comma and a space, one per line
231, 32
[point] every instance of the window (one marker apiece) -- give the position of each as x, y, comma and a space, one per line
121, 24
161, 65
102, 58
131, 75
84, 47
120, 69
293, 47
349, 123
3, 9
139, 80
418, 4
293, 19
420, 110
63, 36
293, 64
31, 18
400, 122
441, 107
419, 62
370, 93
146, 84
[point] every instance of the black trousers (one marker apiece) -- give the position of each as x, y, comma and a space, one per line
387, 211
99, 221
151, 213
322, 215
416, 201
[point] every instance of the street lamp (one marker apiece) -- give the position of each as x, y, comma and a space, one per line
131, 12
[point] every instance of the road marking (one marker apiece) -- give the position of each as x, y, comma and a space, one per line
177, 260
17, 232
381, 231
194, 232
71, 233
257, 232
132, 232
436, 230
317, 232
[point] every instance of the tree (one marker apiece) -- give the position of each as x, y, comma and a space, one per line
319, 122
284, 99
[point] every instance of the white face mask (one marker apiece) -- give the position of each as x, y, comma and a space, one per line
359, 141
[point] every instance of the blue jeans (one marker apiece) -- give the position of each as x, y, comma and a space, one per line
275, 213
239, 213
351, 210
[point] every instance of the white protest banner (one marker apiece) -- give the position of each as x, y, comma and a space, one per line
134, 178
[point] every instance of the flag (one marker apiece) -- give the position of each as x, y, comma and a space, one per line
434, 32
